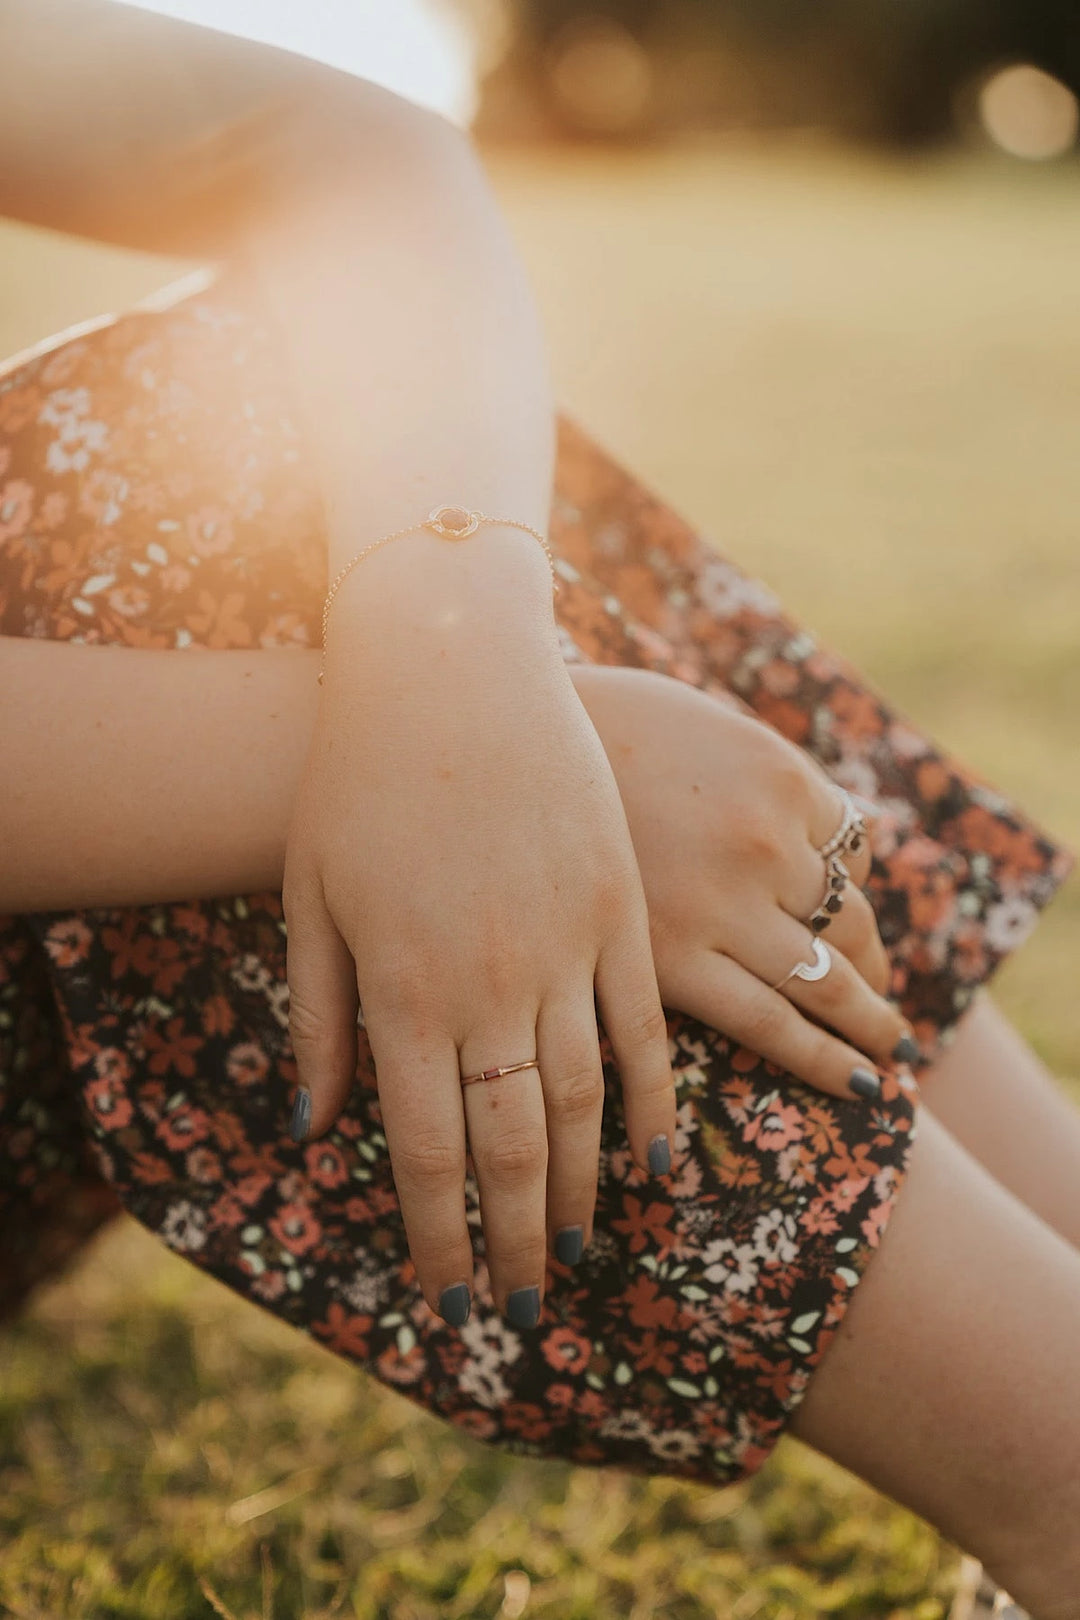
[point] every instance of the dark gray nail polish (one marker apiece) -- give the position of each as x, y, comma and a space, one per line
570, 1244
455, 1303
301, 1116
523, 1307
865, 1084
659, 1156
906, 1050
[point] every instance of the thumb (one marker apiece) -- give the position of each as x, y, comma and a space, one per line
323, 1005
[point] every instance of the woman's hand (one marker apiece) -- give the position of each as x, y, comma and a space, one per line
727, 818
460, 856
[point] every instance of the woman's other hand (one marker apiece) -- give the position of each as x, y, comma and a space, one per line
459, 855
727, 819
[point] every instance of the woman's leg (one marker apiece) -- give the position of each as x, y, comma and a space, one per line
995, 1096
950, 1383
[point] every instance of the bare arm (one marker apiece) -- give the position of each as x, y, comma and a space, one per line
168, 137
177, 784
404, 313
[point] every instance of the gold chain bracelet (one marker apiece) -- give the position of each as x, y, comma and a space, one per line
451, 523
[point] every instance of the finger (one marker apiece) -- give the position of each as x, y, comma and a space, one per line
851, 927
629, 1001
572, 1078
507, 1129
829, 808
854, 931
424, 1121
845, 1002
722, 993
323, 1006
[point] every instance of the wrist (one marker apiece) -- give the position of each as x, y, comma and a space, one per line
428, 595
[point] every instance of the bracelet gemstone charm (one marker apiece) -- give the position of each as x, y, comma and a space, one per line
449, 523
452, 522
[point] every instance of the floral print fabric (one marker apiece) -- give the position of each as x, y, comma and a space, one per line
154, 492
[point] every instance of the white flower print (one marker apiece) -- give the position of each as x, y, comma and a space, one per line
722, 590
774, 1237
627, 1425
484, 1384
1009, 923
731, 1264
78, 437
490, 1342
676, 1445
367, 1290
184, 1227
251, 973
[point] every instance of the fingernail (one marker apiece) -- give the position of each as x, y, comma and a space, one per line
301, 1116
523, 1307
865, 1084
906, 1050
455, 1303
570, 1244
659, 1156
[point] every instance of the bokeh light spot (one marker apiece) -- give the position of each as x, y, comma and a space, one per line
1029, 113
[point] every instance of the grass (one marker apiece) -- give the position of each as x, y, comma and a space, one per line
860, 378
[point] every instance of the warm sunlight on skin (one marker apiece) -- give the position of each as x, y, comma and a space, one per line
415, 47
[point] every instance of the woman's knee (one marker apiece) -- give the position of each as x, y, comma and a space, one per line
947, 1386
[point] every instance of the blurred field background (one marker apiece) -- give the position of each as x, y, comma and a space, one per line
859, 372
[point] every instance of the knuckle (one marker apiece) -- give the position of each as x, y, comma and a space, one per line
429, 1159
819, 1053
646, 1023
745, 830
579, 1094
512, 1161
763, 1025
312, 1033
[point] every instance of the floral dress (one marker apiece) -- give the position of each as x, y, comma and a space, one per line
155, 492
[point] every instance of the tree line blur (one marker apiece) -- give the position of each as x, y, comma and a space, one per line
896, 71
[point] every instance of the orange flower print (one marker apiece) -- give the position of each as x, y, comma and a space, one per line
182, 1127
645, 1224
68, 941
54, 509
566, 1350
326, 1165
128, 600
221, 622
218, 1017
647, 1306
344, 1331
171, 1051
247, 1064
401, 1367
775, 1128
296, 1228
108, 1103
19, 405
210, 531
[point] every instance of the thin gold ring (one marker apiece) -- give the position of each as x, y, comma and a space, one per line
495, 1074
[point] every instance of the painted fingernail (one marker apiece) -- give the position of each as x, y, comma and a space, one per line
906, 1050
865, 1084
301, 1116
570, 1244
455, 1303
659, 1156
523, 1307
